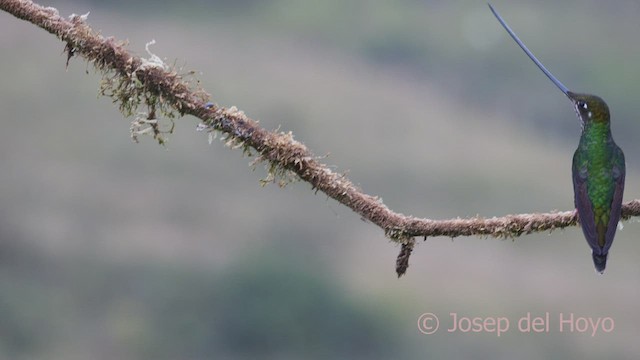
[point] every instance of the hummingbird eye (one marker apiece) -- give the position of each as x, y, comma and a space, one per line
583, 104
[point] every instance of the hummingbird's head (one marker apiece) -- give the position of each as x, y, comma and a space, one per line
589, 108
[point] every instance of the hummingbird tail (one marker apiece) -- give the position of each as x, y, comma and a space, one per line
600, 262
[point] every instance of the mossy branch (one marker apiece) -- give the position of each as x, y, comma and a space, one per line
134, 82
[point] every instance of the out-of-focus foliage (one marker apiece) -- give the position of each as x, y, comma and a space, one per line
261, 307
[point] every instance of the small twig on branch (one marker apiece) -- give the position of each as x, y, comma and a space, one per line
135, 82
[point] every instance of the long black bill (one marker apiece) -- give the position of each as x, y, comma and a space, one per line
515, 37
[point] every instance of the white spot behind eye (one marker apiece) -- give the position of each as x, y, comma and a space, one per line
589, 114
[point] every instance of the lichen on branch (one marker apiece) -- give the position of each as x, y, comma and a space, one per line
155, 94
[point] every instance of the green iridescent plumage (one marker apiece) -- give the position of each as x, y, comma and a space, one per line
598, 169
598, 176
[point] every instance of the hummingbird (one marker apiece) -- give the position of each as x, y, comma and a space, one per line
598, 169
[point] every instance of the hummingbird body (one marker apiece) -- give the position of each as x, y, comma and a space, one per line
598, 177
598, 169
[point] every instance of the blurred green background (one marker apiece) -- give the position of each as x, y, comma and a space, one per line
116, 250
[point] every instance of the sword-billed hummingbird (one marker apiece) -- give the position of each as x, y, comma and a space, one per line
598, 166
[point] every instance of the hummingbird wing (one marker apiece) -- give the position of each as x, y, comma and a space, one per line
618, 173
583, 204
598, 235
